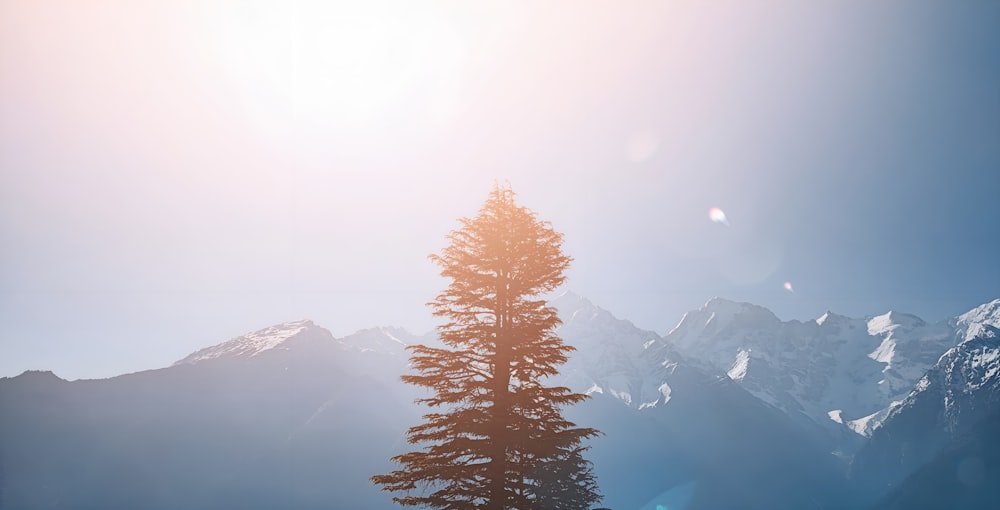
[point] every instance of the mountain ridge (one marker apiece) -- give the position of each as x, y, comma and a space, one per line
837, 370
233, 420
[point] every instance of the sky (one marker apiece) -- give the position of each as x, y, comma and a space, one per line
175, 174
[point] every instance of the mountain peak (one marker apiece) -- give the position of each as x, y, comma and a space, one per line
716, 317
38, 377
383, 339
720, 303
980, 319
570, 301
723, 306
829, 317
573, 307
252, 344
887, 322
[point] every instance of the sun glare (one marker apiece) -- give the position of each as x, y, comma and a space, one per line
336, 63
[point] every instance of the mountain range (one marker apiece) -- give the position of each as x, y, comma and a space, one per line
732, 408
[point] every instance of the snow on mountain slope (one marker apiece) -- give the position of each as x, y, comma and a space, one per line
668, 423
836, 370
282, 337
252, 344
975, 322
385, 340
957, 394
267, 419
966, 379
613, 356
963, 369
971, 372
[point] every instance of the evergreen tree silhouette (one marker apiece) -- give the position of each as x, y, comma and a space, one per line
495, 438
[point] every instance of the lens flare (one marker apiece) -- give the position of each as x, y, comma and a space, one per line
715, 214
788, 287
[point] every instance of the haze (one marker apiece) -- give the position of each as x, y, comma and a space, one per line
173, 174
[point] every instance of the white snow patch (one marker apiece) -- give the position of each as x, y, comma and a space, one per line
881, 324
665, 391
986, 359
835, 415
923, 384
623, 395
974, 321
392, 337
885, 351
977, 330
864, 426
739, 369
679, 323
250, 344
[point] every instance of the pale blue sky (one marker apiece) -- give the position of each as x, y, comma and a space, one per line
172, 175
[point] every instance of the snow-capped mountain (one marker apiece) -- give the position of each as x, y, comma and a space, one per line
613, 356
283, 337
257, 342
981, 320
719, 413
958, 394
290, 416
695, 433
965, 382
284, 417
383, 340
835, 369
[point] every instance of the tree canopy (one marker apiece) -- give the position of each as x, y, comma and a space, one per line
495, 438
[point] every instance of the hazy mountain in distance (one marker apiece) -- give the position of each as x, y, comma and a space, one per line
283, 417
680, 437
291, 417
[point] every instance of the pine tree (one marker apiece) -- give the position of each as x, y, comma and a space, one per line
496, 438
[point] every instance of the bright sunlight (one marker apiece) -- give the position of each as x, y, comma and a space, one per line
336, 63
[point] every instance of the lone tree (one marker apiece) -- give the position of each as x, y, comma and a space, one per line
496, 438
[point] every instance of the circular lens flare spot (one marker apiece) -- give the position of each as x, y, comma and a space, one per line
788, 287
718, 216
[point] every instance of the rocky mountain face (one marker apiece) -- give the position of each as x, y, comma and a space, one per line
963, 474
948, 406
840, 372
613, 357
925, 393
733, 408
678, 436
